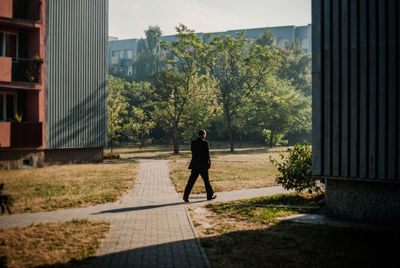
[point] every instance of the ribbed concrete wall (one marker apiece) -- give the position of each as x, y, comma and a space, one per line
76, 76
356, 89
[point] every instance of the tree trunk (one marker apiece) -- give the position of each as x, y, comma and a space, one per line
230, 134
175, 141
271, 141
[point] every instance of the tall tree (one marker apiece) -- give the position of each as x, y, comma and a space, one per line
238, 70
117, 111
148, 59
267, 38
280, 108
296, 67
177, 83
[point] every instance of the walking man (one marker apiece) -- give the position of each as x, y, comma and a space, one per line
199, 165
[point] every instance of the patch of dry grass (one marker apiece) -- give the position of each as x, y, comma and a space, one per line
50, 243
243, 169
67, 186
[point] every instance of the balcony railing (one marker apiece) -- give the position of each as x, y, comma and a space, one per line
24, 70
26, 9
23, 134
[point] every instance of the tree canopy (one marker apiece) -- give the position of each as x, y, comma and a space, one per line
234, 89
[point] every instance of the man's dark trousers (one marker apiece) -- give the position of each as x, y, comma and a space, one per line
192, 179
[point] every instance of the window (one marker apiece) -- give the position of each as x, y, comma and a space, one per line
129, 70
115, 53
8, 44
128, 54
121, 54
8, 106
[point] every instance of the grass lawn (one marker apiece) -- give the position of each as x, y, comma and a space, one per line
245, 234
242, 169
50, 243
67, 186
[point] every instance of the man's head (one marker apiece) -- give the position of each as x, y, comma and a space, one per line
202, 133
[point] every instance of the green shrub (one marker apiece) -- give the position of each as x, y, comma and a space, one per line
295, 169
6, 201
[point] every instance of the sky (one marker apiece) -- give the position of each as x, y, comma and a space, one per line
130, 18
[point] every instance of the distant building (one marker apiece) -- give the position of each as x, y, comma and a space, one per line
53, 72
110, 38
121, 53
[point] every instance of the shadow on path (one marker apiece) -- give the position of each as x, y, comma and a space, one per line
163, 255
128, 209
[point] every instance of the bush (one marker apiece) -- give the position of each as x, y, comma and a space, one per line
6, 201
296, 170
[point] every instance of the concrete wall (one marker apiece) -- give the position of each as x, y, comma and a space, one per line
364, 201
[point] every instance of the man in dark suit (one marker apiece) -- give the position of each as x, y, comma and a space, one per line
199, 165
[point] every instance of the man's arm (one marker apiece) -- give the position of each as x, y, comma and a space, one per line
208, 155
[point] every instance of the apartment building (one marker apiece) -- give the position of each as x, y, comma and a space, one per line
121, 53
53, 90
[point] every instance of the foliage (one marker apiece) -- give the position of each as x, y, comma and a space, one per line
266, 39
6, 201
117, 111
148, 60
278, 109
296, 67
236, 90
238, 69
271, 139
178, 84
139, 126
18, 117
296, 170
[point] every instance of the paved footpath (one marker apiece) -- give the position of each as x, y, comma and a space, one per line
150, 227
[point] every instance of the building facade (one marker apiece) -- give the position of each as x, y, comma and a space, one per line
356, 107
121, 53
53, 88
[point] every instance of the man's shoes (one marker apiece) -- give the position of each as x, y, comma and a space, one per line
212, 197
186, 200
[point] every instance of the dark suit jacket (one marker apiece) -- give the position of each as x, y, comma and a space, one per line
200, 155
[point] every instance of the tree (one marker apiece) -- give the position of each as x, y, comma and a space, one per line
117, 111
139, 126
280, 108
177, 83
148, 59
238, 70
267, 38
296, 67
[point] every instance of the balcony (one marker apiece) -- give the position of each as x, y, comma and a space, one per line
20, 135
20, 9
20, 70
24, 70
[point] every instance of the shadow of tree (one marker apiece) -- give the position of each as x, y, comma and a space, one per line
184, 253
284, 244
288, 244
